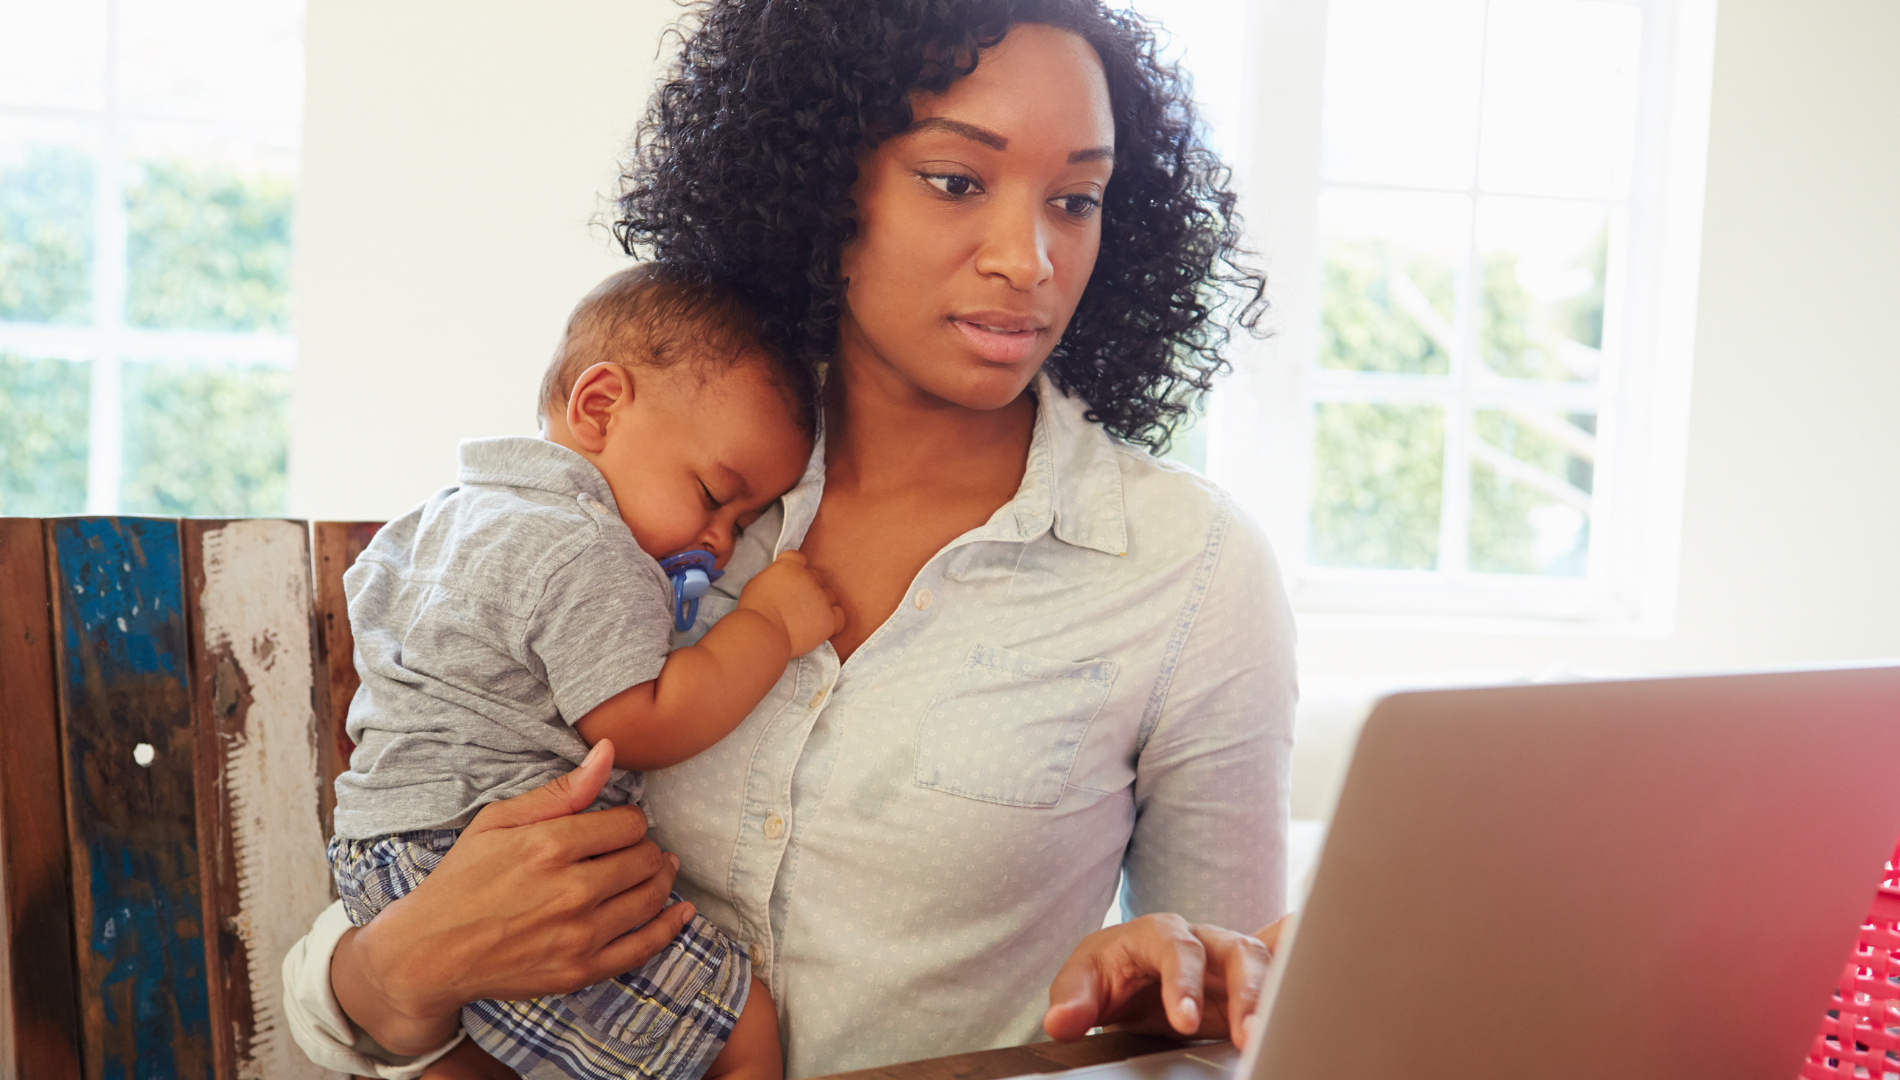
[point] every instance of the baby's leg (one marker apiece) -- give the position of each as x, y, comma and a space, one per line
752, 1053
467, 1062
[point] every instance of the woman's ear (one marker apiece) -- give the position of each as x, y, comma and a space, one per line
600, 391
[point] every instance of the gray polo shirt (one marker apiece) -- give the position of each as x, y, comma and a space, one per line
487, 621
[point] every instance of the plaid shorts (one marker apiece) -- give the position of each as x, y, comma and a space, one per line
666, 1020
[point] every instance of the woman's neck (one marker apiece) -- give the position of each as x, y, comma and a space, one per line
884, 436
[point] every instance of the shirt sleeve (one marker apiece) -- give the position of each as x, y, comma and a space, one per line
603, 623
1211, 781
318, 1023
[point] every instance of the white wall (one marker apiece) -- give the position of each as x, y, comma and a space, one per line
453, 155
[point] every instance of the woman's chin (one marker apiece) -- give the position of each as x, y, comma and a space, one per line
986, 387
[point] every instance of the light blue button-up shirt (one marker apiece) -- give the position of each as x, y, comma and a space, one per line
1097, 681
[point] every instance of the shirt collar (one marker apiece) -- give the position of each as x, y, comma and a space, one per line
523, 462
1072, 484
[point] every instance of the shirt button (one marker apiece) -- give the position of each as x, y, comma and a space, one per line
757, 952
924, 599
774, 827
817, 696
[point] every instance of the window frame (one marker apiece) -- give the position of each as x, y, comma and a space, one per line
1265, 412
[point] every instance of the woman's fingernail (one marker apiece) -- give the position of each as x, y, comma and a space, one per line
591, 755
1191, 1011
674, 859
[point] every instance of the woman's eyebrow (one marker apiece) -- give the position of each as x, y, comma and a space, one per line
957, 127
1000, 142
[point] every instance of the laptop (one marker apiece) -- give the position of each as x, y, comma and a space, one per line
1654, 878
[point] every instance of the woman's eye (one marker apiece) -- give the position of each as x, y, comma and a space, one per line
951, 183
1079, 205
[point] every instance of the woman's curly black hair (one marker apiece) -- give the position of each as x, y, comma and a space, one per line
742, 168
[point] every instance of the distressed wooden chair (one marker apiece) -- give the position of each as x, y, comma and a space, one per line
172, 695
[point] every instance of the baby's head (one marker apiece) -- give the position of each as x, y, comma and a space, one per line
666, 386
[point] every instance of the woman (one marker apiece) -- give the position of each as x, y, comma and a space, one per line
989, 229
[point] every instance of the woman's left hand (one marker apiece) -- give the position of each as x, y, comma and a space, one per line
1162, 974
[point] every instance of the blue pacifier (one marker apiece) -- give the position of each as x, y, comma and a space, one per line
692, 573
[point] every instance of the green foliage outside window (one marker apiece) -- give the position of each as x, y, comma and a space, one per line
43, 410
207, 249
46, 238
1377, 480
1364, 321
1520, 338
1505, 537
205, 439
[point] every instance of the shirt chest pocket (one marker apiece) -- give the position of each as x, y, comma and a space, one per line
1006, 728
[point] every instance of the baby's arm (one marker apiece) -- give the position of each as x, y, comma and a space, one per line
706, 689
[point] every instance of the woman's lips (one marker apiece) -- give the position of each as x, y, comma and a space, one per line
998, 345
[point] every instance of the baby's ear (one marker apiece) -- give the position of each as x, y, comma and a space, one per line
597, 393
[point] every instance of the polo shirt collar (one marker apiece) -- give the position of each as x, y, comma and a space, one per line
522, 462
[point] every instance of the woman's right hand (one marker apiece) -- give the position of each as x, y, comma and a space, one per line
534, 899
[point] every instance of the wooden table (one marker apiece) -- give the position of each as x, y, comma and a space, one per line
1043, 1057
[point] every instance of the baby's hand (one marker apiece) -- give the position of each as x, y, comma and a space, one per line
792, 594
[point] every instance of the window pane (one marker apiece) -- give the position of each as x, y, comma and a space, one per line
205, 439
214, 59
45, 227
1531, 479
43, 411
1402, 86
53, 53
1544, 267
1388, 297
1377, 484
1561, 79
208, 243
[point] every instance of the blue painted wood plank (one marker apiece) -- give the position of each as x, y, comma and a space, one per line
125, 714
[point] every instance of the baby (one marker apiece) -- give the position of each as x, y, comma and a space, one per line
513, 621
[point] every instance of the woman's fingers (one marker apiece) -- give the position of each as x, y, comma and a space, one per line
1077, 996
1183, 965
1157, 973
565, 795
615, 872
1148, 971
1241, 962
630, 890
585, 836
629, 951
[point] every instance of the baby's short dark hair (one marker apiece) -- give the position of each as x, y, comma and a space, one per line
649, 317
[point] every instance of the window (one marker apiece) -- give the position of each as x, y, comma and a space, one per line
148, 156
1480, 219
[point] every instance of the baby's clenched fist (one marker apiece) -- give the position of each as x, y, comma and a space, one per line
792, 594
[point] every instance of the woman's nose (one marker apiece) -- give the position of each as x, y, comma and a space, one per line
1014, 246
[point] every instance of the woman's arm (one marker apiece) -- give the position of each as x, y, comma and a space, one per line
1211, 799
533, 899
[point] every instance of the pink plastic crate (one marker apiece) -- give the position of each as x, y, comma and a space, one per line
1860, 1036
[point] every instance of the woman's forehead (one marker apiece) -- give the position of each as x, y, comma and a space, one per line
1039, 82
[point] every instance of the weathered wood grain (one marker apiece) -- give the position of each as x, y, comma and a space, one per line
39, 1006
254, 693
1042, 1057
125, 723
336, 545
